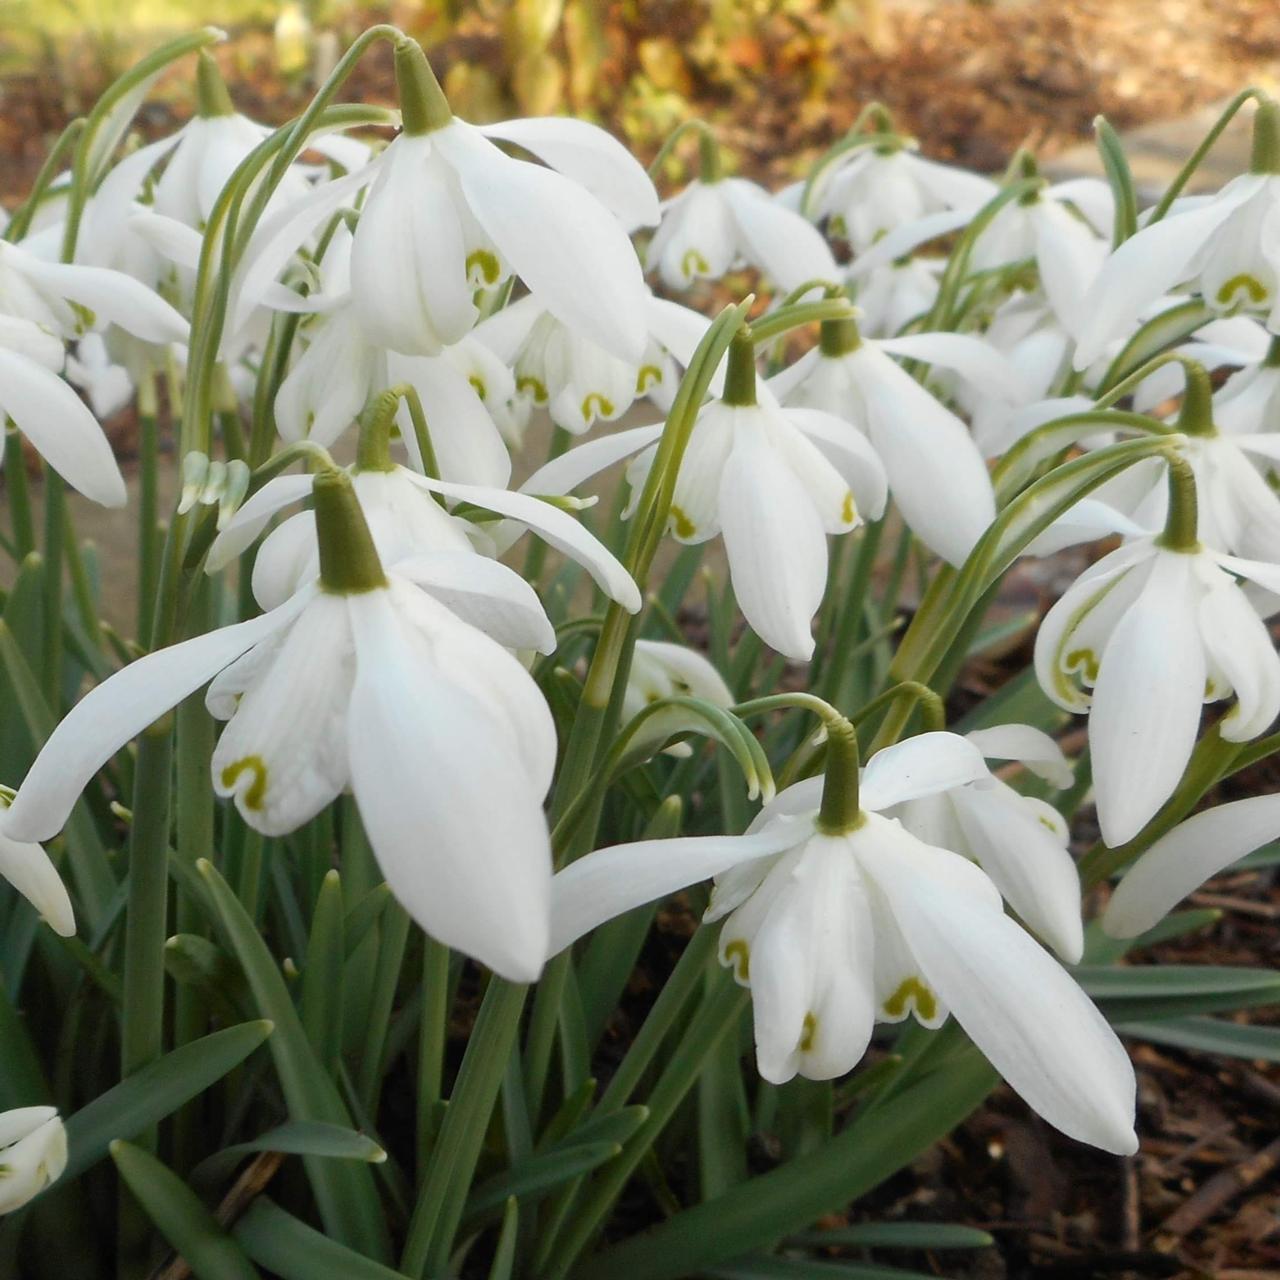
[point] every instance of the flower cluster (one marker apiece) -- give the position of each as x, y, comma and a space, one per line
429, 303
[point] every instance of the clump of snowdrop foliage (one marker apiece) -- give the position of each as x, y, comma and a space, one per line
510, 589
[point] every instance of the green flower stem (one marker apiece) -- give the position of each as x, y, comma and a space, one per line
1180, 531
55, 521
1265, 155
148, 498
776, 323
840, 811
433, 1037
18, 491
20, 223
1194, 161
705, 137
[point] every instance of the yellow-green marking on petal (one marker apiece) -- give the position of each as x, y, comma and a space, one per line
684, 527
808, 1033
739, 956
1250, 285
693, 264
594, 403
482, 267
257, 789
912, 991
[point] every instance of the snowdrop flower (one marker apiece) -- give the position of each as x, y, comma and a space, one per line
448, 212
868, 191
662, 670
1183, 859
371, 679
33, 1154
717, 223
896, 293
28, 868
575, 378
936, 474
106, 383
42, 305
1224, 246
1019, 841
1141, 641
838, 917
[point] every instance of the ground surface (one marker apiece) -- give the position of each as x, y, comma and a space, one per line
973, 83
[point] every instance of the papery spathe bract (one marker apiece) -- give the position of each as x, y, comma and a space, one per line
33, 1154
835, 930
1141, 641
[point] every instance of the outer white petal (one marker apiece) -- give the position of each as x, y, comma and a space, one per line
564, 244
112, 296
906, 239
775, 542
611, 881
1027, 859
851, 453
1022, 1009
936, 474
919, 766
1239, 643
485, 593
1025, 743
1184, 858
974, 359
27, 867
1068, 255
571, 468
557, 527
327, 387
26, 338
1149, 264
786, 246
250, 520
119, 709
455, 824
591, 157
1147, 701
61, 427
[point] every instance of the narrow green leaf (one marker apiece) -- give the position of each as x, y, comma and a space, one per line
504, 1256
187, 1225
147, 1096
345, 1191
1135, 993
322, 977
1120, 178
899, 1235
1210, 1035
292, 1250
760, 1212
767, 1268
295, 1138
538, 1176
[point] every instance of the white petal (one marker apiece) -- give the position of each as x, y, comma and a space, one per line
428, 762
27, 867
936, 474
610, 881
784, 245
919, 766
974, 359
1027, 744
119, 709
557, 527
112, 296
1147, 701
565, 473
484, 593
905, 239
61, 427
1240, 645
775, 542
1027, 859
1068, 255
1149, 264
1184, 858
592, 158
250, 520
851, 453
1025, 1013
559, 239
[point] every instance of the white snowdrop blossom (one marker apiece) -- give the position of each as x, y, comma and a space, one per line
33, 1154
896, 293
1019, 841
1184, 858
1223, 247
834, 931
578, 381
1142, 640
376, 684
713, 226
660, 670
936, 474
870, 190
